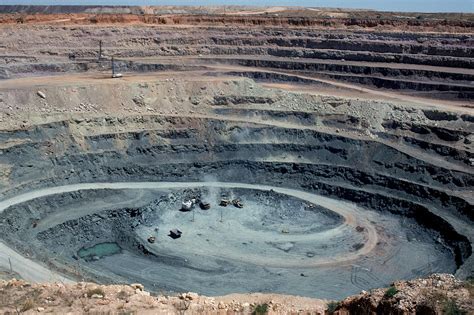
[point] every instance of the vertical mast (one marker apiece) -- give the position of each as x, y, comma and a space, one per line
113, 67
100, 50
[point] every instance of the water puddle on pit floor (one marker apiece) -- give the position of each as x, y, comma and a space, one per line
99, 251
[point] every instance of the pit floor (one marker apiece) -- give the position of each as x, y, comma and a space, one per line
247, 251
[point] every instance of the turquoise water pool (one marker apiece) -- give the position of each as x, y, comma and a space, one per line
99, 250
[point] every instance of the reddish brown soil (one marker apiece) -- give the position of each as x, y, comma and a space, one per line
289, 18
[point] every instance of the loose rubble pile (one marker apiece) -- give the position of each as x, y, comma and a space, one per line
437, 294
20, 296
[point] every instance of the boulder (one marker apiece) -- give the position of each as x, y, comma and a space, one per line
41, 94
137, 286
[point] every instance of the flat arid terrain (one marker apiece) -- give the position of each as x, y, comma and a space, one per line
235, 160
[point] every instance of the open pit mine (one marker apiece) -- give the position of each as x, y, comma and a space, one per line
308, 152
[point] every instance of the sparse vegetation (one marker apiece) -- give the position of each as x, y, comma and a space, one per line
437, 300
97, 291
469, 285
451, 308
332, 306
182, 306
69, 302
122, 295
27, 301
27, 305
391, 292
433, 298
260, 309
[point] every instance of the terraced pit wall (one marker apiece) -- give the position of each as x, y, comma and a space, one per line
413, 170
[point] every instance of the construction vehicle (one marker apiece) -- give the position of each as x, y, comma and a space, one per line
224, 202
175, 233
237, 203
204, 205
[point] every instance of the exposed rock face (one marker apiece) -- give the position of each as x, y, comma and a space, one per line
369, 112
295, 17
437, 294
413, 52
408, 163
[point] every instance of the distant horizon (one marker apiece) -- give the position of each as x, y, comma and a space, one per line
422, 6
